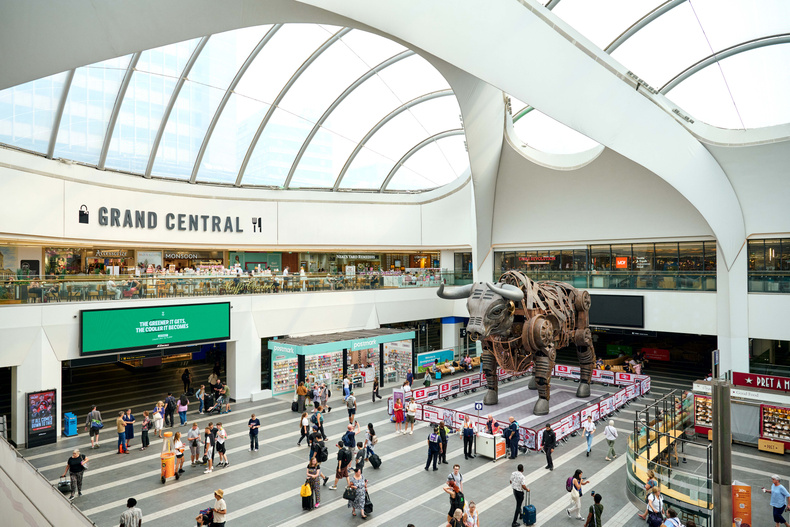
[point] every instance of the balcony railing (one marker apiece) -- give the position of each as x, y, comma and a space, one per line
92, 288
655, 280
769, 281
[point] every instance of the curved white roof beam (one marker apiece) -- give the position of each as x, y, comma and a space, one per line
225, 98
723, 54
387, 118
306, 64
416, 148
116, 109
53, 136
570, 80
642, 22
169, 108
389, 62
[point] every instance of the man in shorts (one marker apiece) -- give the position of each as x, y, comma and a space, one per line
193, 438
222, 435
209, 453
344, 458
411, 415
351, 406
93, 424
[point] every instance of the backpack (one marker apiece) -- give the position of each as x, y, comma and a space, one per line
170, 403
569, 484
375, 439
184, 401
323, 453
348, 440
314, 420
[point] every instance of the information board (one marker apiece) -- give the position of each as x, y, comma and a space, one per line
113, 330
41, 418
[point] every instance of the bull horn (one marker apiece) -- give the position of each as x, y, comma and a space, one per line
457, 292
507, 291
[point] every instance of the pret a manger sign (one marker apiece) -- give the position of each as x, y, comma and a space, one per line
113, 330
768, 382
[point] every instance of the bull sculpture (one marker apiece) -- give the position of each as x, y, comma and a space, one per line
521, 321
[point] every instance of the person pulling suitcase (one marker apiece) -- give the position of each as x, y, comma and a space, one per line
529, 514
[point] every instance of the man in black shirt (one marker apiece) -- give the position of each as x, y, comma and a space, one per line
549, 442
344, 457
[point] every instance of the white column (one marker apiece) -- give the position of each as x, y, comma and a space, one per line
244, 356
40, 370
447, 260
733, 312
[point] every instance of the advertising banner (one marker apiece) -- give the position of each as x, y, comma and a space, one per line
502, 374
741, 504
424, 360
754, 380
446, 389
567, 425
468, 383
41, 418
644, 385
592, 410
567, 372
619, 399
624, 378
125, 329
603, 376
432, 413
656, 354
606, 406
426, 394
631, 391
529, 438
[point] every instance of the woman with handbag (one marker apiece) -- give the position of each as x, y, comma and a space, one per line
144, 430
576, 494
649, 484
178, 446
655, 508
301, 395
93, 424
75, 466
314, 479
360, 487
398, 408
159, 415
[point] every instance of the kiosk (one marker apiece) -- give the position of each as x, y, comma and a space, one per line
491, 446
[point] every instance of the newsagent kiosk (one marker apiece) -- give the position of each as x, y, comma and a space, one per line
362, 355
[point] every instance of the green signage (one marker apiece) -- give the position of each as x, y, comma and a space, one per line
111, 330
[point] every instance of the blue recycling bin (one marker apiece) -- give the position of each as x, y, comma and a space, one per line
69, 424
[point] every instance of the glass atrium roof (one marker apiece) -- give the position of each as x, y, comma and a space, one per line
724, 62
282, 106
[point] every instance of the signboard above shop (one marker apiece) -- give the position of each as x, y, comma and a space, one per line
767, 382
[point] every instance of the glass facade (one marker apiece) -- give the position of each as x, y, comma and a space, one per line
769, 265
677, 265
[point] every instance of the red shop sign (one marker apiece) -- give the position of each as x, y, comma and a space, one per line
656, 354
754, 380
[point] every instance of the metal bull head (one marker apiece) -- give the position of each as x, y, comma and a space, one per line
491, 307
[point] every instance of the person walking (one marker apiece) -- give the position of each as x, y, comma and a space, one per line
75, 467
370, 440
434, 448
511, 437
456, 499
651, 482
318, 422
596, 511
375, 392
576, 494
346, 386
409, 377
316, 444
178, 446
301, 395
208, 453
360, 457
360, 486
443, 438
468, 432
193, 440
132, 516
457, 519
128, 420
183, 406
471, 516
780, 500
220, 508
519, 485
186, 378
314, 478
398, 409
254, 424
411, 416
589, 430
351, 406
144, 427
655, 507
456, 477
120, 427
672, 519
610, 433
325, 397
316, 395
93, 424
349, 438
170, 408
222, 436
225, 393
344, 457
549, 444
200, 394
159, 417
304, 428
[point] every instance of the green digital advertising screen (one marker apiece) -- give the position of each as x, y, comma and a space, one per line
109, 330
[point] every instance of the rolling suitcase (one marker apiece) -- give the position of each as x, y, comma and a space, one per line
64, 485
294, 406
375, 460
529, 513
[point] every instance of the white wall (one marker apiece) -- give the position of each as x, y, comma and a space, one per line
768, 316
611, 198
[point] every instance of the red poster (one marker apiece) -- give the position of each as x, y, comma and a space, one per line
754, 380
621, 262
742, 505
656, 354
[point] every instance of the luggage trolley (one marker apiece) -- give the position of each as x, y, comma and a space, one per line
168, 458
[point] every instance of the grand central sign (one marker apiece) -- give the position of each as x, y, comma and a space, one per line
140, 219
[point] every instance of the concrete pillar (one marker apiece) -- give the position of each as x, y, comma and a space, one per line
733, 312
39, 370
244, 357
447, 260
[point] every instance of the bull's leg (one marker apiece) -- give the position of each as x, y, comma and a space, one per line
586, 356
488, 361
533, 384
542, 370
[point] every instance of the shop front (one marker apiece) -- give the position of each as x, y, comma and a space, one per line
362, 355
62, 260
111, 261
177, 260
352, 264
256, 261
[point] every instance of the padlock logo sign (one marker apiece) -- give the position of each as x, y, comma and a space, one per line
84, 214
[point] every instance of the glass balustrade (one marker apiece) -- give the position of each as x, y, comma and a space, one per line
654, 280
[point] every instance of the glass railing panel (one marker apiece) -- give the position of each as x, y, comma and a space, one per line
769, 282
652, 280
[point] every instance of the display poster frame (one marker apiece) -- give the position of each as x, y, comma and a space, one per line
429, 357
45, 432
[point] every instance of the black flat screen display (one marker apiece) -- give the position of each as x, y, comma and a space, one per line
618, 310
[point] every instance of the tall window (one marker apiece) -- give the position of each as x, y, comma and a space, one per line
666, 256
600, 257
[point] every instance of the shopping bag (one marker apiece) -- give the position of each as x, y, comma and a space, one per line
306, 490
